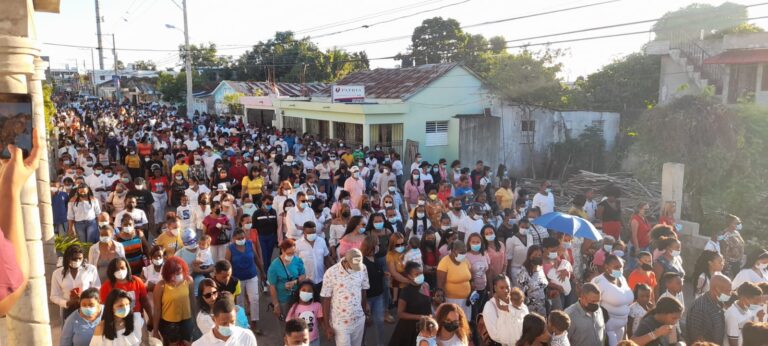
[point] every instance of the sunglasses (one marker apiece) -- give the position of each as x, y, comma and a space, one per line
400, 244
210, 294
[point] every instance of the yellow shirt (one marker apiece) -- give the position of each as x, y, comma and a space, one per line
183, 168
507, 198
253, 187
396, 259
457, 284
175, 303
169, 243
347, 158
133, 161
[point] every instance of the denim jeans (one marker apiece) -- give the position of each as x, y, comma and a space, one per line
87, 231
382, 263
377, 314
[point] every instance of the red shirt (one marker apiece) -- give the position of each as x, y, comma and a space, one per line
210, 222
238, 172
158, 185
136, 289
638, 276
643, 231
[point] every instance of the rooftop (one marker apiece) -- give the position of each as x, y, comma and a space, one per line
283, 89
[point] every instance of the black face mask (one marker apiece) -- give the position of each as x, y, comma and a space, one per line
592, 307
452, 326
646, 267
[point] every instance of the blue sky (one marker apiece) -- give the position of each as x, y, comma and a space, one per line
234, 24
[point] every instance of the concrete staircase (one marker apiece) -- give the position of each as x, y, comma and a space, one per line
694, 75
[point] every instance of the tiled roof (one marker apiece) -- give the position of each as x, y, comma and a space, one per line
739, 57
394, 83
285, 89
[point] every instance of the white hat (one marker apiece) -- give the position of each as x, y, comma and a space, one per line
289, 158
354, 169
222, 187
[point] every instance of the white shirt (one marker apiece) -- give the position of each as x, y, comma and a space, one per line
455, 219
735, 319
545, 202
151, 275
87, 277
345, 289
590, 208
191, 144
313, 256
298, 217
83, 210
712, 246
208, 162
132, 339
94, 252
240, 337
96, 182
139, 217
615, 299
468, 226
419, 229
516, 250
748, 275
397, 167
193, 195
553, 277
504, 327
185, 216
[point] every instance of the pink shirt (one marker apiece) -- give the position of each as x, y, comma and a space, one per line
412, 192
345, 245
355, 187
309, 313
498, 258
10, 273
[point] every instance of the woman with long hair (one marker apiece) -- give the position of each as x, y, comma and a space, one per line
282, 225
496, 251
639, 230
353, 236
119, 276
172, 303
378, 293
616, 297
669, 261
74, 277
413, 304
81, 213
535, 331
453, 326
253, 184
118, 325
207, 294
414, 188
338, 227
107, 249
532, 280
708, 264
285, 273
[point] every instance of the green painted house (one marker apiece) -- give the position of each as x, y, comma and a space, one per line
410, 110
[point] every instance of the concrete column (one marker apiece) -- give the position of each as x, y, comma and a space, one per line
672, 175
20, 72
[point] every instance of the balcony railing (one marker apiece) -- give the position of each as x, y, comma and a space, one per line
695, 54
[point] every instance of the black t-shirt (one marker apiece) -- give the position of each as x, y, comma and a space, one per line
265, 221
230, 287
178, 189
375, 278
143, 199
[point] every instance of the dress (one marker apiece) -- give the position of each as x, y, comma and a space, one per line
533, 286
418, 303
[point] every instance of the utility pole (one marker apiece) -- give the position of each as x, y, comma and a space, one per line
98, 36
117, 81
188, 61
93, 74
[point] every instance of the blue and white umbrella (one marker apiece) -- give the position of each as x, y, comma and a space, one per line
568, 224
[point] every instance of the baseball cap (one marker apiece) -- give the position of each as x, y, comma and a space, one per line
354, 259
289, 158
354, 169
189, 237
222, 187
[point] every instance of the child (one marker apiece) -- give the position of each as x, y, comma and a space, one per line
427, 327
558, 272
640, 307
306, 308
643, 273
414, 253
203, 256
558, 324
607, 248
184, 211
673, 283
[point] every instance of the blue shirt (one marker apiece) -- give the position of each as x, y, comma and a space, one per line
59, 206
462, 192
279, 274
77, 331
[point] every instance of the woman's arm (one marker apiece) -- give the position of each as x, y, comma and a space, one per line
157, 304
442, 277
401, 314
645, 339
392, 268
633, 225
146, 307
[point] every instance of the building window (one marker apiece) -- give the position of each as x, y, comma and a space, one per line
293, 123
528, 129
388, 136
436, 133
102, 77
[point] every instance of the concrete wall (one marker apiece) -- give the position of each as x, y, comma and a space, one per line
674, 81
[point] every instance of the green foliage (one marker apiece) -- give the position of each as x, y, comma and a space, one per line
696, 18
743, 28
232, 101
60, 244
174, 89
526, 78
203, 56
585, 152
631, 82
50, 109
120, 65
289, 59
145, 65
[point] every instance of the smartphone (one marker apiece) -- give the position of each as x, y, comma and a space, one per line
15, 123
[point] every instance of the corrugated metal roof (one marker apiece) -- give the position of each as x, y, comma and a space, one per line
394, 83
739, 57
284, 89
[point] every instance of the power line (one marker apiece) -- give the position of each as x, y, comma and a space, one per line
580, 39
539, 14
368, 16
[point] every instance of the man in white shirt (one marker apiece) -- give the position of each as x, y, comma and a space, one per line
298, 216
139, 216
194, 191
416, 163
208, 160
382, 183
344, 297
225, 332
98, 183
312, 250
545, 199
590, 207
191, 144
747, 308
472, 223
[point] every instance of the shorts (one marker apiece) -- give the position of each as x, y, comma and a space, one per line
176, 331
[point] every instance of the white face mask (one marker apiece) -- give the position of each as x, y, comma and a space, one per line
75, 264
121, 274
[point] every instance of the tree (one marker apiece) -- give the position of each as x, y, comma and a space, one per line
743, 28
529, 81
437, 40
232, 101
120, 65
498, 44
145, 65
695, 19
203, 56
174, 88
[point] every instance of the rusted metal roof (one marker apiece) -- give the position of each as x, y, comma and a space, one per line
394, 83
739, 57
283, 89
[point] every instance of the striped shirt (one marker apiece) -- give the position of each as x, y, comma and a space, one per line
706, 320
134, 253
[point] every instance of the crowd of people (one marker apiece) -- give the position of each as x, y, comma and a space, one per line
193, 224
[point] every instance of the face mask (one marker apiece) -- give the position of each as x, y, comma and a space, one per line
491, 237
311, 237
179, 278
646, 267
225, 331
420, 215
240, 242
269, 207
97, 172
419, 279
121, 274
451, 327
103, 223
179, 177
616, 274
304, 205
675, 253
721, 237
475, 247
457, 208
105, 239
361, 230
460, 257
399, 249
75, 264
378, 225
549, 190
566, 245
89, 312
523, 230
738, 227
415, 176
761, 266
388, 204
289, 258
157, 262
121, 312
174, 232
591, 307
110, 174
306, 296
724, 297
391, 220
607, 248
392, 189
552, 255
445, 228
536, 261
755, 307
191, 247
433, 197
618, 253
125, 180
